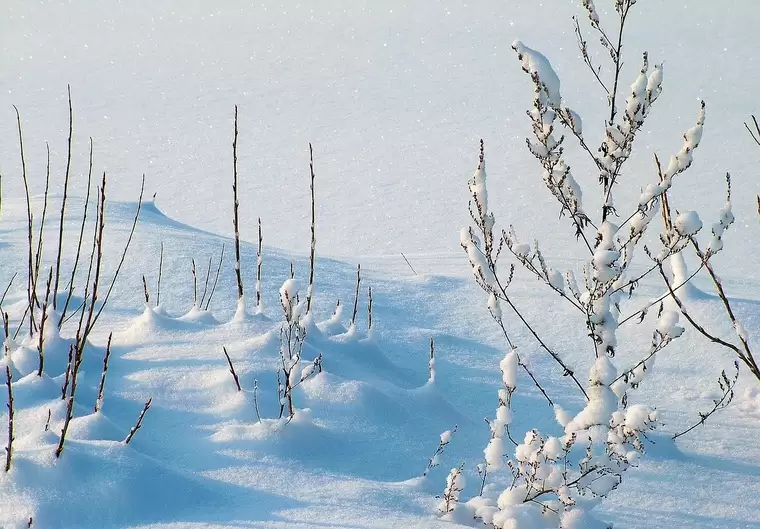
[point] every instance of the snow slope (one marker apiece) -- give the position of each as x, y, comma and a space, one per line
394, 96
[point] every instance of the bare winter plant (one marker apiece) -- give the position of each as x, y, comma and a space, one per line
435, 459
9, 448
553, 477
313, 248
63, 202
139, 422
232, 370
259, 262
235, 206
356, 295
216, 279
160, 271
102, 384
90, 312
195, 282
455, 484
292, 339
96, 288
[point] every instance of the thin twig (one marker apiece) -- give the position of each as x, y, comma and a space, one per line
408, 263
38, 254
756, 133
124, 252
369, 309
9, 448
145, 290
356, 293
232, 369
160, 270
205, 283
138, 424
259, 262
5, 292
312, 254
256, 399
70, 293
43, 320
235, 209
195, 283
30, 287
63, 202
102, 385
216, 278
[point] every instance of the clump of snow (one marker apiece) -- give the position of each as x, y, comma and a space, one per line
539, 68
688, 223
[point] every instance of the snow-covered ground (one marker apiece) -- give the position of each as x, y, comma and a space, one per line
394, 96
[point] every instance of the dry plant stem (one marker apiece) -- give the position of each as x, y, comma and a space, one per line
617, 58
697, 326
102, 384
432, 358
356, 293
124, 252
642, 312
369, 309
84, 327
582, 45
5, 292
145, 290
9, 448
44, 318
522, 364
256, 399
6, 330
63, 201
98, 259
160, 269
756, 133
235, 208
232, 369
38, 253
216, 278
727, 386
30, 523
745, 356
528, 265
67, 378
745, 353
30, 287
292, 271
259, 262
47, 423
70, 293
195, 283
501, 293
205, 283
312, 254
138, 424
409, 264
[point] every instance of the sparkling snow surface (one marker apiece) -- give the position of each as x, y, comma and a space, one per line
394, 96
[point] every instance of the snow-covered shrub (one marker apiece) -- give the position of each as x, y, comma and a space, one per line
292, 337
555, 478
435, 459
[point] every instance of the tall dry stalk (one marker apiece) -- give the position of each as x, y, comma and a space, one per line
235, 207
312, 253
63, 202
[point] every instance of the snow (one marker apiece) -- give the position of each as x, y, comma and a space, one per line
395, 97
688, 223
